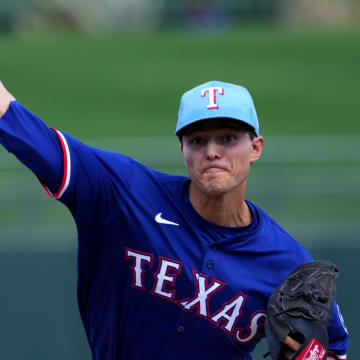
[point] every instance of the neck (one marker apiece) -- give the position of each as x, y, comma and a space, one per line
229, 209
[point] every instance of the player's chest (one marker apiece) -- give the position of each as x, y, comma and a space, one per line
173, 263
163, 255
159, 240
204, 285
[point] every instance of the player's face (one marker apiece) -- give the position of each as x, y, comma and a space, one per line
218, 154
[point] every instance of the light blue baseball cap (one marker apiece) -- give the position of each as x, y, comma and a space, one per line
216, 99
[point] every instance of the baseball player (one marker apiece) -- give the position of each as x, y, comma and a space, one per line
169, 266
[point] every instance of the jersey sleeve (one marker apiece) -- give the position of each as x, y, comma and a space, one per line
23, 134
87, 180
338, 334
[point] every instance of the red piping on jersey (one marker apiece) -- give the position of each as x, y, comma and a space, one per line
65, 167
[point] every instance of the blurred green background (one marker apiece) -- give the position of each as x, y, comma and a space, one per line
112, 74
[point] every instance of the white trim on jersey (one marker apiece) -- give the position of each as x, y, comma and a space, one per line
66, 167
332, 354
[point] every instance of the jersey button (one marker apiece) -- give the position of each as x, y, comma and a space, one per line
210, 264
180, 329
213, 247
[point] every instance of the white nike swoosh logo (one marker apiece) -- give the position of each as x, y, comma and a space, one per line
161, 220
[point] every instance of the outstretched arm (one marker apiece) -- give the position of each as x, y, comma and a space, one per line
60, 162
23, 134
5, 99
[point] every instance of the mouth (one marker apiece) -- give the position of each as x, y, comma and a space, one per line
214, 169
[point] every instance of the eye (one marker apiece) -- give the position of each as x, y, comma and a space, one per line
227, 138
198, 140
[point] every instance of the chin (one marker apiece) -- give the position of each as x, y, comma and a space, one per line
215, 189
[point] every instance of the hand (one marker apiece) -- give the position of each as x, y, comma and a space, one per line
292, 344
5, 98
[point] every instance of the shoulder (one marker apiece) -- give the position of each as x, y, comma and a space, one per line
171, 183
279, 240
270, 225
117, 164
90, 156
142, 176
281, 252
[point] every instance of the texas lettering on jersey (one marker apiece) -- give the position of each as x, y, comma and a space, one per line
164, 286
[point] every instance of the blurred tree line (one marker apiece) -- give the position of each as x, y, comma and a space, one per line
25, 15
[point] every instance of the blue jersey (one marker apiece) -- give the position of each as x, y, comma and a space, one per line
156, 280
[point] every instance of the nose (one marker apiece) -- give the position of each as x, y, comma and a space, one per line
212, 151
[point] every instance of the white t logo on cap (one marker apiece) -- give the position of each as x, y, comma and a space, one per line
212, 96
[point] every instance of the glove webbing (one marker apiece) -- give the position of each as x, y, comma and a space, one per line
308, 297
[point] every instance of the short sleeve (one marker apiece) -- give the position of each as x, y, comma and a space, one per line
338, 334
95, 182
91, 182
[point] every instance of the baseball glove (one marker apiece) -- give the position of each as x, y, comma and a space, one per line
300, 307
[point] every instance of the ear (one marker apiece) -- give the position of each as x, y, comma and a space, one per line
256, 148
181, 147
